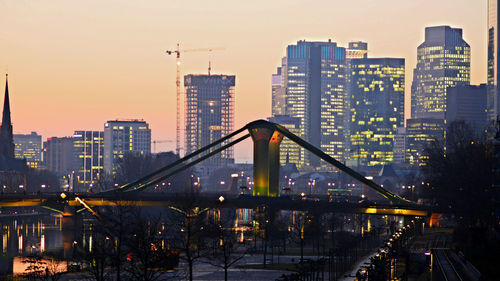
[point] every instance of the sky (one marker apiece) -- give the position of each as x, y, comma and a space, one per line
73, 65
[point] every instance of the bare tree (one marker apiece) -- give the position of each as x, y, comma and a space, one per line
298, 231
459, 179
133, 166
149, 257
41, 180
96, 257
115, 222
225, 251
188, 224
108, 246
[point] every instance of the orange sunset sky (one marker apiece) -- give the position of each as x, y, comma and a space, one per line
73, 65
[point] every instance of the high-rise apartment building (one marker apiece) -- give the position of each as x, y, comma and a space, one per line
443, 60
316, 94
289, 150
88, 155
209, 113
122, 137
58, 155
29, 147
376, 96
493, 60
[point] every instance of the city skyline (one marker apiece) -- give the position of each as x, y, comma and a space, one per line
100, 54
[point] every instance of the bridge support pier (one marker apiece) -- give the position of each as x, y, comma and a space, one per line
266, 159
72, 225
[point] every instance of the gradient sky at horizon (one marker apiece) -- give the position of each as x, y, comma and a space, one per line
73, 65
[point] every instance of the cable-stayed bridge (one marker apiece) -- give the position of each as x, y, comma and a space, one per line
266, 138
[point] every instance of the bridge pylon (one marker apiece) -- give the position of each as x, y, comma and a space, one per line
266, 158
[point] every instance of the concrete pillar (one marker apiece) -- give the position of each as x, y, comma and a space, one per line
72, 226
274, 164
266, 158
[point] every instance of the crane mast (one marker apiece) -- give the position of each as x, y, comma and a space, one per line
177, 52
178, 109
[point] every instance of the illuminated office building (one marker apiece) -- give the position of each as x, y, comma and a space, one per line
122, 137
316, 94
493, 62
88, 155
29, 147
376, 96
443, 60
357, 50
209, 113
399, 150
289, 150
421, 132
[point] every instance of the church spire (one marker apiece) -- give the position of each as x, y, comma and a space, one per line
6, 136
6, 104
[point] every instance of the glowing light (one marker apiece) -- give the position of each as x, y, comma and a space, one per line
42, 243
20, 241
63, 195
221, 198
4, 244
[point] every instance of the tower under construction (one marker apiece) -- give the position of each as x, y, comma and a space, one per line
209, 113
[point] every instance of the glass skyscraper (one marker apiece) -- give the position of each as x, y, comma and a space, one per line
493, 62
443, 60
279, 90
209, 113
316, 94
376, 96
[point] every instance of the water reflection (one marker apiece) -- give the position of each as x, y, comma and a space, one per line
23, 234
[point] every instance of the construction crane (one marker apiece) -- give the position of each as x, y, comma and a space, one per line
177, 53
159, 141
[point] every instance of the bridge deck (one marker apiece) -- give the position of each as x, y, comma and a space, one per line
209, 200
